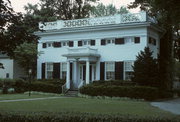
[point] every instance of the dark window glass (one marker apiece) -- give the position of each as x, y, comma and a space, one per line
79, 43
119, 41
44, 45
137, 40
92, 42
71, 43
103, 42
7, 75
154, 41
57, 44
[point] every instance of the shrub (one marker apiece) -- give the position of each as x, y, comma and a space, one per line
135, 92
79, 117
115, 82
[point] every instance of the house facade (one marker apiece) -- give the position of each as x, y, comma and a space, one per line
11, 69
103, 48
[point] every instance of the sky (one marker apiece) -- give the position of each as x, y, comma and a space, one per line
18, 5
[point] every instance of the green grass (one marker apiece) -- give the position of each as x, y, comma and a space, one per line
83, 105
21, 96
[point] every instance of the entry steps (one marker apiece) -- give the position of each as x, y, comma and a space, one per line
72, 93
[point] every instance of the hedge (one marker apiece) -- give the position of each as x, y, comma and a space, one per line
134, 92
20, 86
78, 117
114, 82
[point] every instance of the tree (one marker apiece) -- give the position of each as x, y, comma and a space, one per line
102, 10
168, 17
146, 69
13, 30
26, 56
50, 10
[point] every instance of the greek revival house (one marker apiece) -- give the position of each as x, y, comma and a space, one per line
103, 48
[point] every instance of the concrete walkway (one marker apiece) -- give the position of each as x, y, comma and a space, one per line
170, 105
32, 99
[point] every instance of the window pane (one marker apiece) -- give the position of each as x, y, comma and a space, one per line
128, 66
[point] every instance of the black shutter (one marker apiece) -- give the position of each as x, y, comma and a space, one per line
121, 69
43, 71
56, 70
103, 42
71, 43
44, 45
150, 40
136, 39
118, 71
79, 43
154, 41
119, 41
90, 72
57, 44
71, 71
102, 70
92, 42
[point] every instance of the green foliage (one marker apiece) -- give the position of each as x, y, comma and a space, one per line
13, 31
146, 69
20, 86
78, 117
167, 15
134, 92
26, 56
114, 82
102, 10
50, 10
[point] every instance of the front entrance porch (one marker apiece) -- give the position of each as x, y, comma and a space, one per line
83, 67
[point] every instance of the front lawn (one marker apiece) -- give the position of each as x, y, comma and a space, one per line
82, 105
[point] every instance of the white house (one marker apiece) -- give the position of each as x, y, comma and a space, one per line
102, 48
11, 68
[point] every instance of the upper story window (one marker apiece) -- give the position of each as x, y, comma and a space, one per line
119, 41
65, 43
152, 41
86, 42
136, 40
57, 44
107, 41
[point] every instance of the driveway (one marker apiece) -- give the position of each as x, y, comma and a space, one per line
170, 105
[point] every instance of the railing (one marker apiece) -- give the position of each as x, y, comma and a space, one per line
116, 19
81, 84
64, 89
82, 50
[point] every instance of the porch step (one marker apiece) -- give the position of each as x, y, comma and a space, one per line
72, 93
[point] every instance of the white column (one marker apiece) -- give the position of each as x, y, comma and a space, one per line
68, 75
87, 72
98, 70
75, 73
93, 70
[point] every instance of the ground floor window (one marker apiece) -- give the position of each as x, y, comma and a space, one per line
110, 70
63, 70
128, 69
49, 70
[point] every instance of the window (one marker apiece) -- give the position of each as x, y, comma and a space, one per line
63, 70
128, 40
79, 43
65, 43
7, 75
49, 70
71, 43
57, 44
136, 40
110, 70
128, 69
93, 42
49, 44
119, 41
107, 41
152, 41
44, 45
